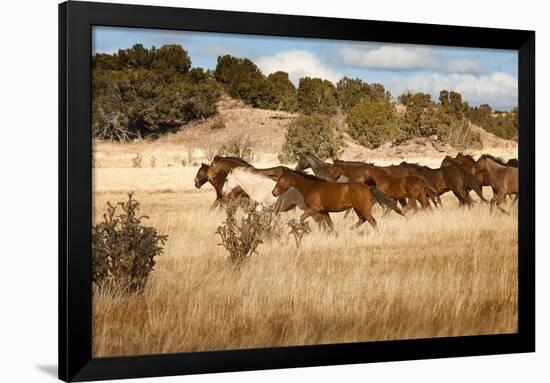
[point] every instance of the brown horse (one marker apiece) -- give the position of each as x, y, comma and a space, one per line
465, 161
222, 165
502, 179
322, 197
402, 188
217, 182
449, 178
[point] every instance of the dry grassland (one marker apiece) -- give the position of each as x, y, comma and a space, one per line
449, 272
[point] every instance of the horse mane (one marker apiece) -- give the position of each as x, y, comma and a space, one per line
498, 160
305, 175
238, 159
415, 166
469, 156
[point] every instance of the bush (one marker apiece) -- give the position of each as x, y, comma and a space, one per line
217, 124
420, 118
316, 134
317, 96
283, 92
503, 125
239, 146
139, 103
241, 234
242, 79
373, 124
168, 58
123, 249
354, 91
459, 135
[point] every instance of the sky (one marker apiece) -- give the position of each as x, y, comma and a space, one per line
482, 76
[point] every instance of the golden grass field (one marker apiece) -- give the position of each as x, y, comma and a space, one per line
449, 272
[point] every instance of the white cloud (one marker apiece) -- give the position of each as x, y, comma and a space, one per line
398, 58
496, 89
298, 64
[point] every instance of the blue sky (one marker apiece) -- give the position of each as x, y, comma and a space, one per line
481, 75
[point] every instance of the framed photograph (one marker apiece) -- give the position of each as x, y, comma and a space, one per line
243, 191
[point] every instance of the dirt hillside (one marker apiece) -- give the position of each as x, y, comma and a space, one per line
265, 129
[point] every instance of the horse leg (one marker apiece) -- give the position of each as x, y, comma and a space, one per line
364, 214
307, 213
347, 213
319, 220
326, 218
360, 221
217, 203
424, 201
499, 200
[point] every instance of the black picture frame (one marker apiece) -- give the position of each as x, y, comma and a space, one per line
75, 194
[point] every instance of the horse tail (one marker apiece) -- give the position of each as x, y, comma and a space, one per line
472, 183
384, 200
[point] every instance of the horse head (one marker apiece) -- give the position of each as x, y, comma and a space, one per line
201, 177
283, 183
303, 163
214, 168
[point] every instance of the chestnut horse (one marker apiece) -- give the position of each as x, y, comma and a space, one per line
216, 172
322, 197
502, 179
400, 188
449, 178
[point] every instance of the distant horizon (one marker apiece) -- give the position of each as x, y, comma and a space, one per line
482, 76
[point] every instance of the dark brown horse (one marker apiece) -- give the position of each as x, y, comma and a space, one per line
402, 188
217, 183
449, 178
465, 161
322, 197
502, 179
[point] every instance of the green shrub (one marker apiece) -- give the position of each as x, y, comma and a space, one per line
123, 249
140, 103
504, 124
317, 134
354, 91
421, 115
242, 79
317, 96
283, 92
373, 124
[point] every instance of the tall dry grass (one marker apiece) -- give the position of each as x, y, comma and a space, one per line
449, 272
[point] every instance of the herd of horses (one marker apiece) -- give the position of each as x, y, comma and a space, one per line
358, 186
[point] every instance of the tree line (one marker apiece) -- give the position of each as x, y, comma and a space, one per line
140, 92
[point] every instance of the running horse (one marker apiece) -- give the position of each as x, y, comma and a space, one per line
502, 179
224, 164
448, 178
319, 167
322, 197
409, 188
